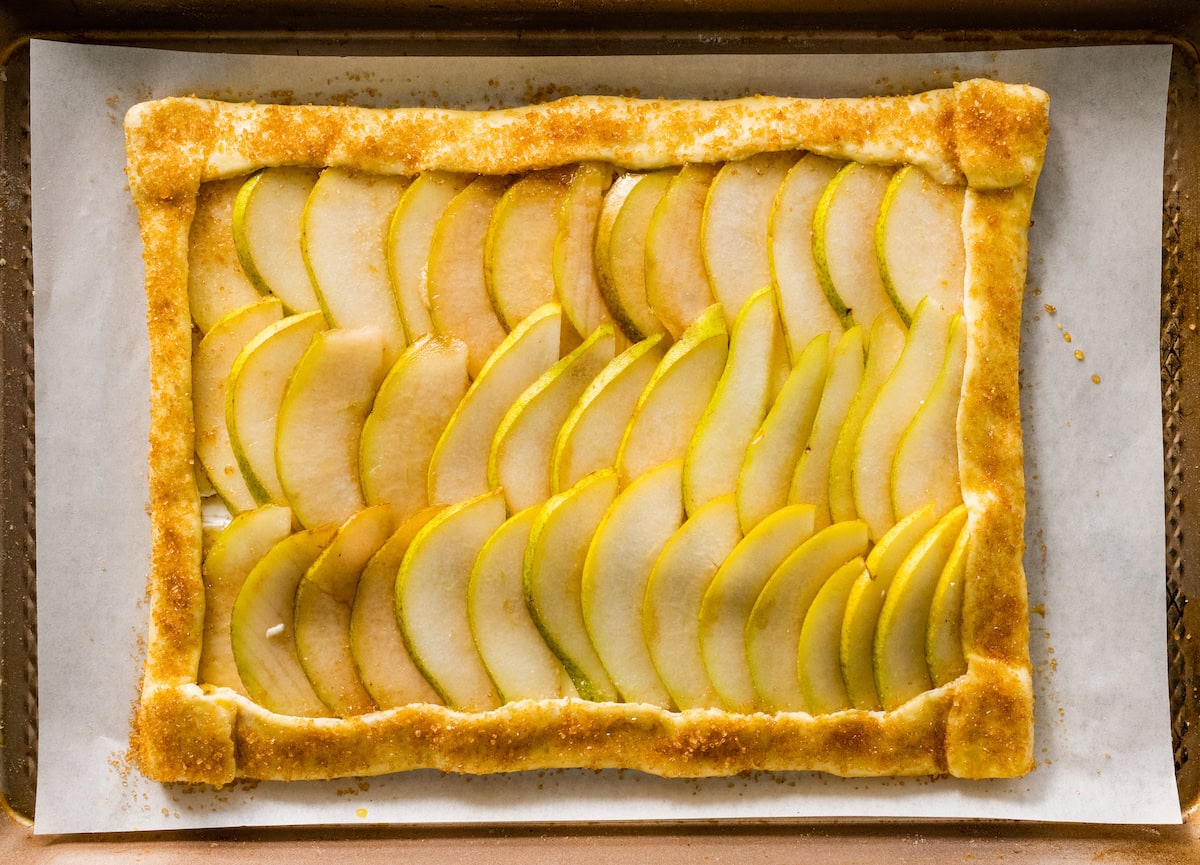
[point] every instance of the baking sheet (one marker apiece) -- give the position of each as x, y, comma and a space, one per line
1093, 463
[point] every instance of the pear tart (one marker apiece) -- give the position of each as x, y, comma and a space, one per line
677, 436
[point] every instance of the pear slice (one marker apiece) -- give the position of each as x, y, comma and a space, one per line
591, 435
733, 230
344, 241
254, 392
320, 424
892, 411
621, 249
415, 402
575, 280
773, 629
820, 639
454, 278
431, 601
324, 600
804, 310
516, 657
731, 595
458, 469
410, 235
384, 665
677, 286
623, 551
553, 574
925, 468
676, 397
919, 242
237, 549
212, 361
674, 593
772, 455
519, 462
261, 627
216, 285
267, 217
901, 671
943, 639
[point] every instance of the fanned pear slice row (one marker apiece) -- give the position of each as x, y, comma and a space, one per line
431, 601
320, 424
216, 285
943, 640
821, 680
575, 281
268, 216
677, 286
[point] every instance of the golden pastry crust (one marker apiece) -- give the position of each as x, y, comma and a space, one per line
987, 135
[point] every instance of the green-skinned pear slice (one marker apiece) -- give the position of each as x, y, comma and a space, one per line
324, 601
320, 424
410, 235
676, 397
733, 232
621, 249
901, 671
458, 469
254, 393
384, 665
237, 549
674, 593
804, 310
919, 242
431, 601
344, 240
773, 630
454, 278
516, 657
267, 219
739, 404
415, 402
575, 280
217, 285
623, 551
553, 575
821, 680
943, 639
677, 286
866, 600
262, 632
519, 462
211, 364
731, 595
893, 410
591, 435
925, 468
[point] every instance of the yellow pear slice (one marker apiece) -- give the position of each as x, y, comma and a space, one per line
677, 286
804, 310
344, 241
261, 627
901, 671
267, 218
674, 593
624, 549
217, 285
820, 640
410, 235
553, 574
575, 279
212, 361
415, 402
519, 462
943, 640
384, 665
454, 278
237, 549
773, 629
320, 424
458, 469
324, 600
516, 657
919, 242
733, 231
431, 601
731, 595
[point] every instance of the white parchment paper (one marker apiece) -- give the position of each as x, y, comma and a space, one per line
1093, 462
